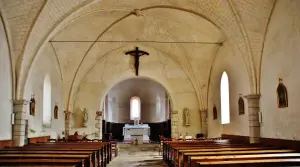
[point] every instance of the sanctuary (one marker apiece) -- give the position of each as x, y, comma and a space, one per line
139, 133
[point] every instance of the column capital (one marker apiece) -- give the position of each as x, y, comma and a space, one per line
252, 96
20, 102
203, 110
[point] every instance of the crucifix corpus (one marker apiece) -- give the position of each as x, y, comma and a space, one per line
136, 54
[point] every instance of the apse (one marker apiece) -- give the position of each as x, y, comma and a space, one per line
153, 99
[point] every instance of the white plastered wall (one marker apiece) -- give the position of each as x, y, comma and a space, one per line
229, 60
5, 87
46, 64
281, 59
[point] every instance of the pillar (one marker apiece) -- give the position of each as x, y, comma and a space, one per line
67, 123
204, 123
98, 124
174, 124
20, 108
253, 117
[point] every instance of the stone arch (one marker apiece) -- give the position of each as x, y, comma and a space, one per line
165, 86
174, 115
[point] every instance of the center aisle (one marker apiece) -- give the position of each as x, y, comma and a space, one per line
137, 155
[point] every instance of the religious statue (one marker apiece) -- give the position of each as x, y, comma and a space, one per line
136, 54
85, 117
241, 106
56, 111
187, 116
282, 98
32, 106
99, 113
215, 112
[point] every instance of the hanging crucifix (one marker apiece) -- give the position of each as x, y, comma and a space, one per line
136, 53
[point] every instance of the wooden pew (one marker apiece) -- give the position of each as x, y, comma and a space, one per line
181, 153
94, 148
40, 139
171, 153
245, 157
178, 150
192, 157
107, 146
86, 159
213, 153
42, 162
169, 145
250, 163
95, 158
105, 150
6, 143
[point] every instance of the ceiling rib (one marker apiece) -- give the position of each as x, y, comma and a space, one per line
142, 41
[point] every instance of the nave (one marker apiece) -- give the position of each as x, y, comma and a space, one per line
141, 155
174, 68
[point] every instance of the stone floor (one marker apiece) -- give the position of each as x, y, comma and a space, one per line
145, 155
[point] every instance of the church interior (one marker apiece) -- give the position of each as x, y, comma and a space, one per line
149, 81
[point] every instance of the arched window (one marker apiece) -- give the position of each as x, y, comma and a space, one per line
225, 114
135, 108
47, 100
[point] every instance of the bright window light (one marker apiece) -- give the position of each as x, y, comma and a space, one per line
47, 100
225, 114
135, 108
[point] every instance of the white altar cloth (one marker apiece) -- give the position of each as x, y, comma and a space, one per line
136, 132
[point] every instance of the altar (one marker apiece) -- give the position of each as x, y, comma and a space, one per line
139, 133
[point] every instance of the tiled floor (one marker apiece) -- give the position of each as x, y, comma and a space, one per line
141, 155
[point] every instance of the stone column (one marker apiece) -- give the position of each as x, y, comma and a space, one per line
204, 123
253, 111
67, 123
98, 124
20, 121
174, 124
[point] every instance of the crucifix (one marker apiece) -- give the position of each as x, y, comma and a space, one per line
136, 53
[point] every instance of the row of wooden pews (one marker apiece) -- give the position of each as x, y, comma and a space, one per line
56, 154
225, 153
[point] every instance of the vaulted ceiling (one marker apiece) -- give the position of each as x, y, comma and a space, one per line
85, 34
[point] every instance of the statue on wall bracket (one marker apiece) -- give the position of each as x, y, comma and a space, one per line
56, 111
241, 105
32, 105
85, 117
187, 116
215, 113
98, 115
282, 95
